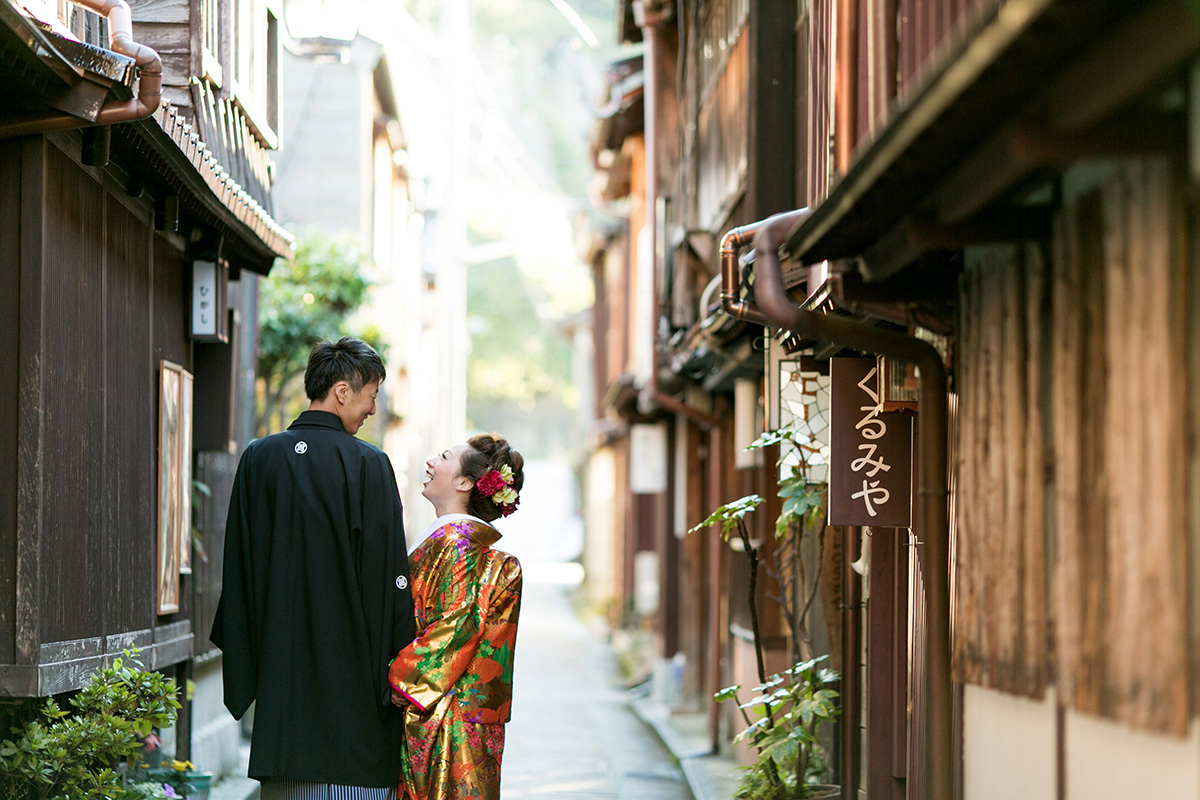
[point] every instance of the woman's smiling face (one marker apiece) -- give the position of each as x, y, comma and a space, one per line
443, 477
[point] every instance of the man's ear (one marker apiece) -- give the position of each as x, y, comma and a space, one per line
341, 391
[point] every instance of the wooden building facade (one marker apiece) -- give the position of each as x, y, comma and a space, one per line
128, 253
1014, 181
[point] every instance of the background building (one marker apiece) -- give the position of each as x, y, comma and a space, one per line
1002, 189
133, 234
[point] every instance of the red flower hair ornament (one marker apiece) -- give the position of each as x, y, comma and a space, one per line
497, 484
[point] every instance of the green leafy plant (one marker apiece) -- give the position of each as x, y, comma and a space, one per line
305, 301
782, 720
73, 753
783, 715
142, 790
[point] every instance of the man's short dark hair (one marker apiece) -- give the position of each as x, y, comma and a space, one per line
348, 359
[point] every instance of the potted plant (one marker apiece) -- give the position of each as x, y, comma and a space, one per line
786, 710
75, 753
182, 780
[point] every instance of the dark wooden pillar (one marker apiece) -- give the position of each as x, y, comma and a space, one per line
772, 90
887, 664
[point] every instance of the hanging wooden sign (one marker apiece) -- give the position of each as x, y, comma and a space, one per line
870, 470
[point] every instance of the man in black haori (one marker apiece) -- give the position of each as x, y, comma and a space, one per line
316, 598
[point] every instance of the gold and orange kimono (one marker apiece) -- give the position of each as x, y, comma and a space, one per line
457, 673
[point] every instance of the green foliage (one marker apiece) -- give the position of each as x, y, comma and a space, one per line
803, 499
516, 354
59, 753
730, 515
142, 790
782, 721
304, 301
787, 709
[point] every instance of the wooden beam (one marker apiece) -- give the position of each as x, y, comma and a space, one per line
1143, 51
916, 234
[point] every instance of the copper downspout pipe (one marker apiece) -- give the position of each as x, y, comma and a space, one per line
845, 95
120, 40
731, 244
934, 523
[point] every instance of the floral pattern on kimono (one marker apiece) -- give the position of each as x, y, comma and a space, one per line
457, 673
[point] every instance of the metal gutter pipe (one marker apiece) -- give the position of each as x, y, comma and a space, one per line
777, 308
731, 244
120, 40
845, 96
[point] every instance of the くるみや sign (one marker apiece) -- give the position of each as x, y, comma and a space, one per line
870, 467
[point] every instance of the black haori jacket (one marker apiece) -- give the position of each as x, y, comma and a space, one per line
315, 603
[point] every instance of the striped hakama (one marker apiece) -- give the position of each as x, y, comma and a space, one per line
289, 789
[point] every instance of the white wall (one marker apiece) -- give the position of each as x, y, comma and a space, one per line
1008, 746
1107, 760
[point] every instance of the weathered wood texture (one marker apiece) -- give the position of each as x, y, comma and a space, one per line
223, 126
820, 114
887, 629
10, 295
917, 692
1120, 578
771, 99
78, 571
877, 65
900, 44
926, 30
693, 604
1000, 565
723, 80
161, 11
72, 473
171, 280
173, 42
130, 463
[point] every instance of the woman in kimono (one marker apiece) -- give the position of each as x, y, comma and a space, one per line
454, 681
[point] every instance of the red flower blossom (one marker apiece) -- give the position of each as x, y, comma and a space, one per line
490, 483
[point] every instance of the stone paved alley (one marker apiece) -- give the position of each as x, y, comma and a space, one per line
573, 734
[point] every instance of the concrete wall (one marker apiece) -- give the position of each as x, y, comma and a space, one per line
1011, 746
1008, 746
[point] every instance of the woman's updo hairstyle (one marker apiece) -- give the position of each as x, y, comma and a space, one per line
488, 452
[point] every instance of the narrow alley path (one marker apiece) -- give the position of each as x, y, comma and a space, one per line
572, 734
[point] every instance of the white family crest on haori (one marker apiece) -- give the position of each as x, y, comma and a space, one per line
301, 447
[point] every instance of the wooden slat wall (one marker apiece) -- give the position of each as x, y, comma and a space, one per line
1118, 401
130, 463
10, 294
723, 135
1000, 568
820, 93
917, 703
926, 30
171, 277
876, 65
72, 475
97, 438
165, 25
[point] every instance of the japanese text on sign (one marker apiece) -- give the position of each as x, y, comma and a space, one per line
871, 469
